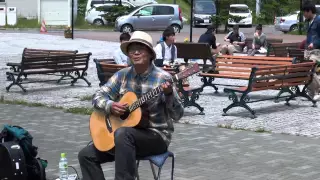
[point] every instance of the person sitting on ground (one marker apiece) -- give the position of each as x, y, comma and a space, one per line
236, 40
166, 51
259, 43
118, 55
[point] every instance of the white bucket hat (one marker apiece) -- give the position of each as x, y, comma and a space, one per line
139, 37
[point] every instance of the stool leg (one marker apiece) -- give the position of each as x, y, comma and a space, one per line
153, 171
137, 172
172, 167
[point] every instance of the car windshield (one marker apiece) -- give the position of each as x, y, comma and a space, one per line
239, 10
204, 7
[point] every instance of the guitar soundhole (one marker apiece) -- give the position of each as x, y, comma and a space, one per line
125, 115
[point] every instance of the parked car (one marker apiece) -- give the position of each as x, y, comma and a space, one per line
151, 17
92, 3
203, 11
289, 22
93, 16
243, 11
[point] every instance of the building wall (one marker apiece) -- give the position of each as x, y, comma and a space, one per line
25, 8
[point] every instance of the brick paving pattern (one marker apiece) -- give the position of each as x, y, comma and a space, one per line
202, 152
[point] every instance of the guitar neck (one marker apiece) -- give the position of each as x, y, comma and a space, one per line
146, 97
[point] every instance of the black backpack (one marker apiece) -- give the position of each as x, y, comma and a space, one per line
21, 155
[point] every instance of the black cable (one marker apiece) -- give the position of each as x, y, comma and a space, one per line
78, 178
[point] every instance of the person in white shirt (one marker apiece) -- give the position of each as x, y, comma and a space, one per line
166, 51
118, 55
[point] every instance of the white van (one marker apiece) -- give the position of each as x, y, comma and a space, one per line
243, 11
92, 3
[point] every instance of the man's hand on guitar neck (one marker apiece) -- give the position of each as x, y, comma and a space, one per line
118, 109
167, 88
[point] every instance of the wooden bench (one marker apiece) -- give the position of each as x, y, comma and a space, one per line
238, 67
272, 78
248, 42
38, 52
280, 49
190, 50
106, 68
296, 53
51, 65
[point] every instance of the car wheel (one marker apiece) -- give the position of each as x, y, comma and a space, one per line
294, 27
98, 22
176, 28
127, 28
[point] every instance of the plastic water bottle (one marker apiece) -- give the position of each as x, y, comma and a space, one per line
63, 167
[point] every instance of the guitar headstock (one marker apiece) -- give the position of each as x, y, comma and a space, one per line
190, 70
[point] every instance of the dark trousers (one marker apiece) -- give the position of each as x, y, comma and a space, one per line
129, 143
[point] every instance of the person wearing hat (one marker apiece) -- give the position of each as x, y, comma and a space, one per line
153, 134
166, 51
259, 43
236, 41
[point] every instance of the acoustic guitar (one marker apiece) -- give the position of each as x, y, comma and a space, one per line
102, 127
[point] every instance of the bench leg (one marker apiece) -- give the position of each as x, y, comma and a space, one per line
302, 93
15, 82
65, 75
283, 90
191, 101
239, 103
80, 76
207, 81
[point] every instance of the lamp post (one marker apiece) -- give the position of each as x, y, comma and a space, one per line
72, 18
191, 19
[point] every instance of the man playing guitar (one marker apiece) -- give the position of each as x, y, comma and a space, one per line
153, 134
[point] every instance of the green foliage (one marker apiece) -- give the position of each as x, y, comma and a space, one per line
82, 4
114, 12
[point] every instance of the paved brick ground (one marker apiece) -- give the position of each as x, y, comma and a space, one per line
202, 152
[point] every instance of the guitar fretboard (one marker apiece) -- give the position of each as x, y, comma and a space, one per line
146, 97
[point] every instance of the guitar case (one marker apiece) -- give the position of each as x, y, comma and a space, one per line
13, 164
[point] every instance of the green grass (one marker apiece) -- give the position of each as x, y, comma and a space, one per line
86, 98
82, 24
304, 33
227, 126
33, 23
25, 23
79, 110
185, 7
74, 110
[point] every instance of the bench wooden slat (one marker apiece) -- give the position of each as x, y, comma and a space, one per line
255, 58
242, 61
239, 65
279, 82
228, 76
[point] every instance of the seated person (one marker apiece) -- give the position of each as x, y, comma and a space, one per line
237, 42
118, 55
152, 136
166, 51
259, 42
209, 38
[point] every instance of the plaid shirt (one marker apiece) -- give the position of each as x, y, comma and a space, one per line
157, 113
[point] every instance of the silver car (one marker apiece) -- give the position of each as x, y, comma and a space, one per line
289, 22
151, 17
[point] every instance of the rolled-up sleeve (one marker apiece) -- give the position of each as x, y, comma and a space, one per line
105, 96
174, 105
